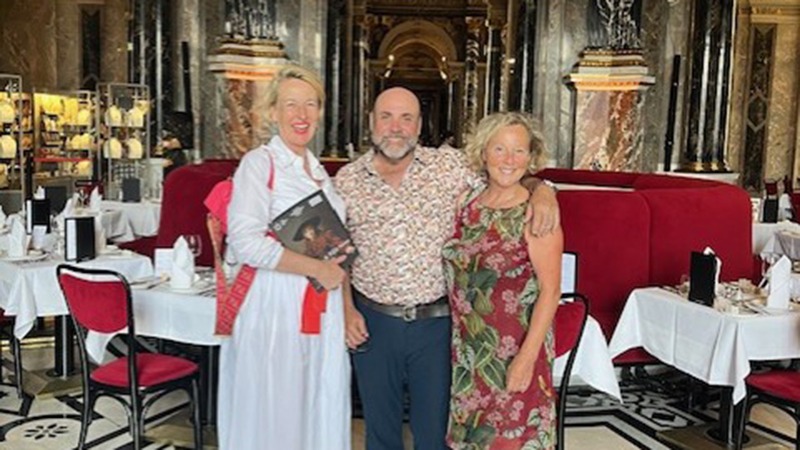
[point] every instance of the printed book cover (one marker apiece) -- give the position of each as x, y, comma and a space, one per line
311, 227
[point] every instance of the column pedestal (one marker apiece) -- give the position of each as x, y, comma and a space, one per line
609, 88
244, 69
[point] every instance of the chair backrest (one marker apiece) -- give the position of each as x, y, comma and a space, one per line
182, 209
569, 321
98, 300
569, 272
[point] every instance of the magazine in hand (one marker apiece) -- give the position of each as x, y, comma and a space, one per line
312, 228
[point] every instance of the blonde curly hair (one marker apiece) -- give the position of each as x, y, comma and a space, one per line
490, 125
296, 72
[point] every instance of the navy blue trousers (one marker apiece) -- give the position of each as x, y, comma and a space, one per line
404, 355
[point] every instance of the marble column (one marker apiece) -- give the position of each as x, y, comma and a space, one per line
245, 62
334, 66
522, 94
494, 66
473, 54
710, 60
609, 101
360, 127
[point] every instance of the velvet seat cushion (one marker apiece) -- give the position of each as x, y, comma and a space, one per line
568, 324
154, 368
783, 384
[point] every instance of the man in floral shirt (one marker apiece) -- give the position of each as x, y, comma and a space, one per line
401, 201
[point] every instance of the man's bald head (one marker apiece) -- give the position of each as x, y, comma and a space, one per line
396, 123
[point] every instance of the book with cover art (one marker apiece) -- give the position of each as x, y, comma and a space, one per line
311, 227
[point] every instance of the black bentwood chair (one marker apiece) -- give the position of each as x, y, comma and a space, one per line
100, 301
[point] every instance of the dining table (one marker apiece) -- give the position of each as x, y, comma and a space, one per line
712, 345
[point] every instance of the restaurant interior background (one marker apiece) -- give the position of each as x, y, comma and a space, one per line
708, 88
599, 75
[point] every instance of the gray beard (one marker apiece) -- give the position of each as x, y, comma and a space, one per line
395, 155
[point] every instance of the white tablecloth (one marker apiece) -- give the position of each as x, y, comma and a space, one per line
764, 236
161, 313
709, 345
30, 290
593, 361
142, 217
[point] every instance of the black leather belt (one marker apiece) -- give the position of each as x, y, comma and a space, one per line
409, 313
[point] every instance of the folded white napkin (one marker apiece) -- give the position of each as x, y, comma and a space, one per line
182, 265
39, 194
68, 211
17, 240
99, 235
94, 200
780, 284
717, 285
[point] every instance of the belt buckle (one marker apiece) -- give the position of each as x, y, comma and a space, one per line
409, 313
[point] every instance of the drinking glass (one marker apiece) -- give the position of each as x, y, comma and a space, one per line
195, 244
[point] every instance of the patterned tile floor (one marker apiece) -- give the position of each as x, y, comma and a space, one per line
594, 421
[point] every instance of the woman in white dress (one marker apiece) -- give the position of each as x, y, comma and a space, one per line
279, 388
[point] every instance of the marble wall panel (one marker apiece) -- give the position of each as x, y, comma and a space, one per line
211, 26
245, 119
28, 37
574, 38
114, 41
68, 44
549, 83
738, 95
783, 103
657, 53
608, 130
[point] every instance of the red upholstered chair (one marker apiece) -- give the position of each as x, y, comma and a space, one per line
568, 326
778, 387
182, 210
100, 300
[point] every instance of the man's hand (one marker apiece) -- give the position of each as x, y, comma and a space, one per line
543, 214
355, 327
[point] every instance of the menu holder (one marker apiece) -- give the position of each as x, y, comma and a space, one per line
57, 196
38, 213
770, 210
79, 239
131, 190
703, 278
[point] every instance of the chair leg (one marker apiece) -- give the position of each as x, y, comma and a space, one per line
135, 423
17, 349
742, 419
561, 418
198, 423
86, 417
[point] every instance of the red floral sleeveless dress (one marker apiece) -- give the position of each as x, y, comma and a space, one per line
492, 292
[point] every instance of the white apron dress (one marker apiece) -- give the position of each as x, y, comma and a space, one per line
280, 389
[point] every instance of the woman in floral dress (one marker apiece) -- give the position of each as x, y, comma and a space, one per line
504, 289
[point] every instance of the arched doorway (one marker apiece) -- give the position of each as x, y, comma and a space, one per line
421, 56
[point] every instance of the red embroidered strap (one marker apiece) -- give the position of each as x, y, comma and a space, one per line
229, 298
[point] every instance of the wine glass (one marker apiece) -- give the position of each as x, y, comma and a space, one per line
195, 244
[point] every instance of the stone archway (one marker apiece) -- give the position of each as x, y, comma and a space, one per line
422, 56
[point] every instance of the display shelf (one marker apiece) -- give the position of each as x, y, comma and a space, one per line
14, 108
65, 134
124, 140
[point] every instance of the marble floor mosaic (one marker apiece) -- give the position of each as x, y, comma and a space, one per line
594, 421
